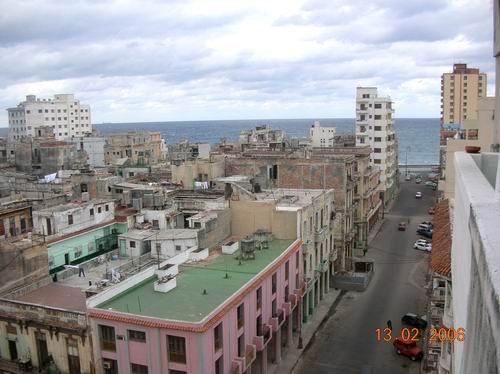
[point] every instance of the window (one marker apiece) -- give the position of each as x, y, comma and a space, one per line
376, 161
176, 349
73, 358
218, 339
156, 224
138, 369
107, 336
70, 219
28, 112
296, 260
219, 365
274, 282
274, 308
240, 315
241, 345
138, 336
287, 270
178, 248
106, 208
46, 110
378, 128
40, 111
378, 106
132, 244
378, 117
287, 296
99, 210
258, 297
377, 139
377, 150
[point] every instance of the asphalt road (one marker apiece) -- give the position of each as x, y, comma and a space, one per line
347, 341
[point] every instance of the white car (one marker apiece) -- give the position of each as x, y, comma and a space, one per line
408, 177
427, 247
423, 241
418, 195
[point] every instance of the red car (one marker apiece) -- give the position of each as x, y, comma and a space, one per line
408, 348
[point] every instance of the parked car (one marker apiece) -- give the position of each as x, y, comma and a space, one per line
408, 348
423, 241
426, 233
412, 319
431, 184
418, 180
408, 177
424, 226
426, 247
431, 211
418, 195
402, 226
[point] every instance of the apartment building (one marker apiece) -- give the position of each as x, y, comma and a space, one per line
475, 263
64, 114
263, 138
322, 136
375, 127
309, 214
222, 313
307, 170
477, 132
460, 91
139, 148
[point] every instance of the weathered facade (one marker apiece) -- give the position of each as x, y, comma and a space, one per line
315, 171
140, 148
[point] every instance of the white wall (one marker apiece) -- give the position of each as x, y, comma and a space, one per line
82, 218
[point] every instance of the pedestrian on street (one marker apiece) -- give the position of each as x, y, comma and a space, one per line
389, 325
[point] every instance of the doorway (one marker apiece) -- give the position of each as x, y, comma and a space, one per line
66, 259
49, 226
13, 350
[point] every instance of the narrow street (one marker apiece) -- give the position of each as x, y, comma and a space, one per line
347, 341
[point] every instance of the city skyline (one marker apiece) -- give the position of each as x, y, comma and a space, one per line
187, 61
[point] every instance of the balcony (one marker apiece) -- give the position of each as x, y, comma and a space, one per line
438, 294
293, 301
333, 255
287, 308
300, 292
320, 234
273, 322
250, 354
281, 317
307, 247
323, 266
263, 337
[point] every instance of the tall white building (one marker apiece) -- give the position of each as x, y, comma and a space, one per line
321, 136
375, 127
64, 113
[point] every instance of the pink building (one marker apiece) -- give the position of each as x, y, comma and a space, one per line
225, 313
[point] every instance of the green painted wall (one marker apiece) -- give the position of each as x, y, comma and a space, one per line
84, 246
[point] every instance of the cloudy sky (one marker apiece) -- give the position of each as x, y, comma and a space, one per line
154, 60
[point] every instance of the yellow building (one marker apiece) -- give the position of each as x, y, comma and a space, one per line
140, 148
460, 92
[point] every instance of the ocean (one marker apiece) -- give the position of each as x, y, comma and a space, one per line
418, 136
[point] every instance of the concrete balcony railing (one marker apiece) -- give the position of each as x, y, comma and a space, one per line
293, 301
300, 292
307, 247
438, 294
287, 307
281, 317
274, 323
320, 234
242, 363
323, 266
263, 337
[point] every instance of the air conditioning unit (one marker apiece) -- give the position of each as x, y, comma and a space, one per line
106, 365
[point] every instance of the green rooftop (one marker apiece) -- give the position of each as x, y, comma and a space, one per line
187, 302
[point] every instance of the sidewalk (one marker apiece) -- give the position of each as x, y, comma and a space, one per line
291, 355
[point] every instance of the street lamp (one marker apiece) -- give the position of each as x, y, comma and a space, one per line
408, 149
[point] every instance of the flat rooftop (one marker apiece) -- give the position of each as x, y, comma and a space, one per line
58, 296
74, 205
289, 197
186, 302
